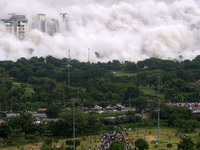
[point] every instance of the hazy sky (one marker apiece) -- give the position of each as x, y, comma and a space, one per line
116, 29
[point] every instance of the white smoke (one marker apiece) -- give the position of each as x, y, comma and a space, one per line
116, 29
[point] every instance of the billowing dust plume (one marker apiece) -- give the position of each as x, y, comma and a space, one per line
111, 29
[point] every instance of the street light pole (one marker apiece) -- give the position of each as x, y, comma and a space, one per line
63, 100
11, 101
158, 107
74, 125
69, 70
88, 55
31, 101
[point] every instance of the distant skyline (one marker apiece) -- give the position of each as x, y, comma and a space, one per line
116, 29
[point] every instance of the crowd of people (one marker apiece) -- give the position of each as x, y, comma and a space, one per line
111, 136
192, 105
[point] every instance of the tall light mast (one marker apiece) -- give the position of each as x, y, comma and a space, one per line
158, 107
11, 105
74, 125
73, 103
69, 69
88, 55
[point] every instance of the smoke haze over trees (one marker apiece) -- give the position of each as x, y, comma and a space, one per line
115, 29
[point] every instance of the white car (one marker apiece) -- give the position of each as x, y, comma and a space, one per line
101, 112
97, 107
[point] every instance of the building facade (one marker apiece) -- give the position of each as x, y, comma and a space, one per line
17, 25
64, 17
49, 26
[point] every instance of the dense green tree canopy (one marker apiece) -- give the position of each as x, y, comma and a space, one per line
53, 111
96, 81
186, 144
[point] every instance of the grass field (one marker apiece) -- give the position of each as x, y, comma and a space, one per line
165, 132
152, 92
123, 73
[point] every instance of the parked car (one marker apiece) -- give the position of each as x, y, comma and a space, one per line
97, 107
109, 108
100, 112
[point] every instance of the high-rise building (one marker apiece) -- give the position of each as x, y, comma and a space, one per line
50, 26
64, 17
40, 23
16, 24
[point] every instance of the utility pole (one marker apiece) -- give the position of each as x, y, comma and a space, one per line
31, 100
74, 125
11, 101
78, 93
88, 55
63, 100
158, 107
69, 69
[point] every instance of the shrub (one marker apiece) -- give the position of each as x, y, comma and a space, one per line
141, 144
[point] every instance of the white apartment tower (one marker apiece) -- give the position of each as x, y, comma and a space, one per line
50, 26
64, 17
17, 24
39, 24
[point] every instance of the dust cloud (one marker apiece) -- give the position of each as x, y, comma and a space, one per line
115, 29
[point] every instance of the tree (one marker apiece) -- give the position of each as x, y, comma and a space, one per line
132, 92
171, 94
131, 67
4, 95
198, 145
169, 145
130, 116
60, 128
97, 95
186, 144
15, 136
47, 144
190, 125
116, 145
4, 130
24, 122
179, 83
183, 118
130, 113
80, 121
93, 124
53, 111
141, 144
116, 65
139, 103
140, 64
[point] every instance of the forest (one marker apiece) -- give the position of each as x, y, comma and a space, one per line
38, 82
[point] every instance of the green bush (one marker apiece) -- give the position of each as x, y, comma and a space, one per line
141, 144
116, 145
84, 138
169, 145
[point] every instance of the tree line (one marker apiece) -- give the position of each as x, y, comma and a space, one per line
44, 81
